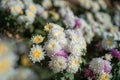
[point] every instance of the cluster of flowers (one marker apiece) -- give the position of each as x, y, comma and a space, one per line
98, 69
64, 48
25, 10
93, 5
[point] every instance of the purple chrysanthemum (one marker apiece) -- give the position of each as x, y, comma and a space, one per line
77, 22
61, 53
88, 73
115, 53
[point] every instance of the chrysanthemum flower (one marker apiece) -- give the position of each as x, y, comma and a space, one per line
99, 66
73, 64
104, 76
109, 44
75, 49
56, 34
49, 26
37, 39
58, 63
36, 53
52, 46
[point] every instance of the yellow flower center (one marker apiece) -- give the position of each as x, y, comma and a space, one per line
25, 61
75, 62
60, 64
30, 14
109, 42
57, 34
48, 27
104, 77
32, 8
4, 66
38, 39
52, 45
37, 54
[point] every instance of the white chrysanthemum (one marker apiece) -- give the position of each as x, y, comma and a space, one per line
52, 46
47, 3
63, 42
73, 64
108, 57
58, 64
105, 76
97, 65
56, 34
32, 7
83, 43
30, 16
49, 26
36, 54
109, 43
37, 39
88, 34
16, 9
7, 64
75, 48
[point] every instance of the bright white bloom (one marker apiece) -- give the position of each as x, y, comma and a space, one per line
56, 34
47, 3
37, 39
36, 54
52, 46
105, 76
97, 65
58, 63
32, 7
75, 49
108, 43
73, 64
108, 57
30, 15
100, 66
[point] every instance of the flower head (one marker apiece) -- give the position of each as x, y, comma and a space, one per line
73, 64
36, 53
115, 53
58, 63
37, 39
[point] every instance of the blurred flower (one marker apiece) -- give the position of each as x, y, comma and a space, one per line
32, 7
36, 53
73, 64
99, 66
104, 76
7, 60
37, 39
47, 4
55, 16
88, 73
115, 53
24, 74
108, 57
52, 46
25, 61
58, 63
109, 43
